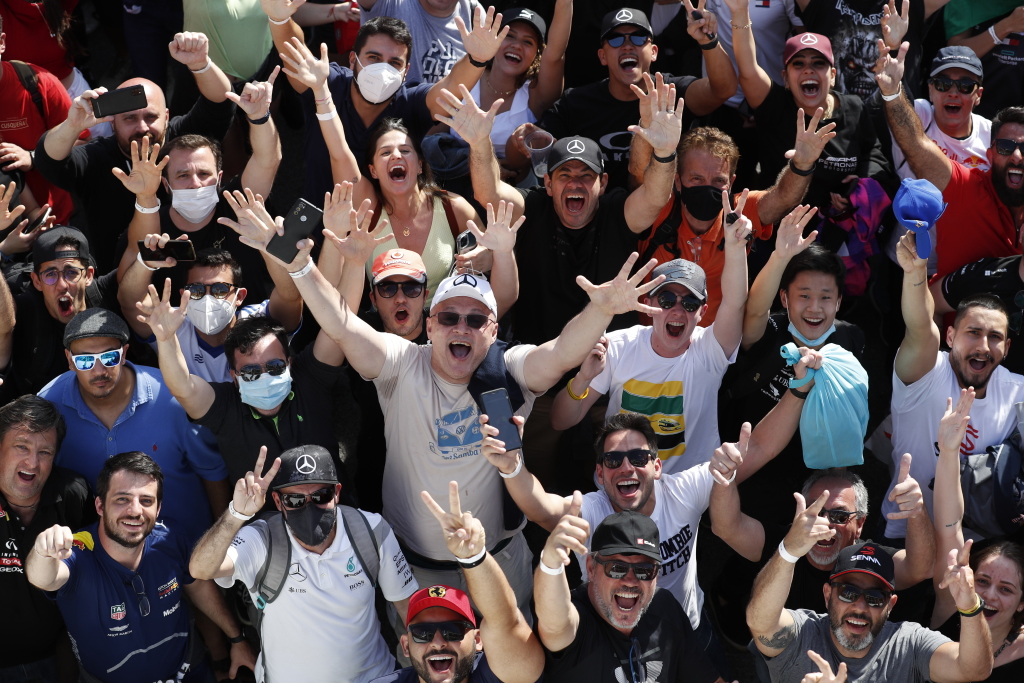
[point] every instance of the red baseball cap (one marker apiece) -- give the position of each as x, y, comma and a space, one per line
440, 596
808, 41
398, 262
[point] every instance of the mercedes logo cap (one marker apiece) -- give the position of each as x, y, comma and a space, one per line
305, 465
627, 16
808, 41
576, 148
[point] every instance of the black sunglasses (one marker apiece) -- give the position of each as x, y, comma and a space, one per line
140, 592
219, 290
388, 290
837, 516
294, 501
1005, 147
964, 85
667, 300
451, 631
617, 569
638, 39
449, 319
273, 367
638, 457
70, 274
874, 597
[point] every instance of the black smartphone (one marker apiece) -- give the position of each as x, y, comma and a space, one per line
39, 220
119, 101
179, 250
299, 223
498, 410
465, 242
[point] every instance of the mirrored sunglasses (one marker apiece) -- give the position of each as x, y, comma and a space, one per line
294, 501
668, 299
449, 319
273, 367
1005, 147
638, 39
617, 569
86, 361
219, 290
874, 597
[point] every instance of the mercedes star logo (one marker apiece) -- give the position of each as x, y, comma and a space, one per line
808, 39
465, 279
306, 464
577, 146
623, 15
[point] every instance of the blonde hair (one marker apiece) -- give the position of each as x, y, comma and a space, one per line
717, 144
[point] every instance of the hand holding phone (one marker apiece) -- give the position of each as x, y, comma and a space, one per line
119, 101
179, 250
299, 223
38, 220
498, 409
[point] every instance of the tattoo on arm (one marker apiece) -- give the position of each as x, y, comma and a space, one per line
780, 640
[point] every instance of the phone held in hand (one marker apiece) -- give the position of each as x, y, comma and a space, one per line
119, 101
498, 410
35, 223
299, 223
179, 250
465, 242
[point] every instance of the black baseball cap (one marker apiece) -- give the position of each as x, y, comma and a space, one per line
956, 56
627, 533
576, 148
45, 247
527, 15
305, 465
95, 322
627, 16
682, 272
866, 558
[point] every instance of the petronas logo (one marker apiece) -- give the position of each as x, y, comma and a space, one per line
351, 566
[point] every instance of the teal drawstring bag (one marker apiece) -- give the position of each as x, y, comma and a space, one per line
835, 415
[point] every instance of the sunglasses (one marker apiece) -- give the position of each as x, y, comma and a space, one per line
451, 631
1005, 147
668, 299
638, 39
140, 592
219, 290
837, 516
273, 367
638, 457
449, 319
617, 569
411, 290
874, 597
87, 361
965, 86
70, 274
294, 501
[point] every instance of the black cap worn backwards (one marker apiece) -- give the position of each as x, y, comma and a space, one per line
305, 465
627, 16
95, 322
45, 247
627, 533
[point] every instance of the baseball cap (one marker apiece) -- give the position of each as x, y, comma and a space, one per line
956, 56
808, 41
305, 465
682, 272
45, 248
95, 322
627, 16
440, 596
627, 533
576, 148
917, 206
866, 558
473, 285
398, 262
527, 15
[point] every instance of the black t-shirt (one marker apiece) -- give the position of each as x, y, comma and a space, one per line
1007, 673
481, 674
592, 112
550, 256
663, 641
1004, 72
33, 621
998, 276
854, 150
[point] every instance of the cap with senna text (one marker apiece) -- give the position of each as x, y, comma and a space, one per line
46, 249
398, 262
808, 41
627, 533
305, 465
440, 596
866, 558
95, 322
627, 16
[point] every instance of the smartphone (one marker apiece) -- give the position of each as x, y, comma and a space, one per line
119, 101
465, 242
498, 410
299, 223
39, 220
179, 250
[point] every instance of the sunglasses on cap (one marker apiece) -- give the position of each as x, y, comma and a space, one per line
219, 290
874, 597
388, 290
638, 457
667, 300
450, 319
86, 361
837, 516
451, 631
70, 274
617, 569
273, 367
638, 39
294, 501
1005, 147
965, 86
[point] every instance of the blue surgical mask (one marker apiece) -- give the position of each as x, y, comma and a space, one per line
266, 391
811, 342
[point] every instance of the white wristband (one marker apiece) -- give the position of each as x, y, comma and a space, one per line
992, 32
890, 98
472, 560
278, 23
327, 116
305, 271
147, 209
515, 472
138, 257
548, 570
209, 65
236, 514
784, 554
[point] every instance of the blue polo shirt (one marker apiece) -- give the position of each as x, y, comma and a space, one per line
112, 639
154, 423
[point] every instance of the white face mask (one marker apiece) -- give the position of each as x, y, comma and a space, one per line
195, 205
210, 315
378, 82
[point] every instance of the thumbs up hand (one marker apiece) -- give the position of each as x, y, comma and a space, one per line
728, 457
907, 493
570, 534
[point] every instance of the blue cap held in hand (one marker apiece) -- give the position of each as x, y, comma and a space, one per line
918, 206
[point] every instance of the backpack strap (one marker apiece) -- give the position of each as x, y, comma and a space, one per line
271, 577
30, 81
365, 540
667, 231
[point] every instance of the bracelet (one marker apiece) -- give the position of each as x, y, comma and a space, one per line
664, 160
548, 570
143, 209
475, 561
974, 611
138, 257
890, 98
802, 395
568, 388
278, 23
784, 554
236, 514
240, 638
515, 472
479, 65
800, 171
324, 100
747, 25
992, 32
209, 65
327, 116
301, 273
711, 45
261, 120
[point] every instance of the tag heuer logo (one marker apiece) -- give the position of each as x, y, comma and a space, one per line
117, 612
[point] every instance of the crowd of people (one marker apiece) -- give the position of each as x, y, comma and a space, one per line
565, 287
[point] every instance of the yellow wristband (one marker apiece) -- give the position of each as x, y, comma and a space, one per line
568, 388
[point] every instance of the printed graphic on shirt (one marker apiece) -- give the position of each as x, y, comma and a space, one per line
10, 562
650, 673
439, 60
855, 48
83, 541
117, 612
1011, 52
676, 550
663, 406
168, 588
458, 434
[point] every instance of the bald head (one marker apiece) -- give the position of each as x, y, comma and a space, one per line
150, 122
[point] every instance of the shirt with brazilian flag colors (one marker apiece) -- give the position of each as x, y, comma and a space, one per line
679, 395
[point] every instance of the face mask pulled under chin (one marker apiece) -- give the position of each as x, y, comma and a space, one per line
704, 202
210, 315
311, 525
378, 81
195, 204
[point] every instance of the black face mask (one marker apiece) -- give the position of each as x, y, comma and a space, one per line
704, 202
311, 524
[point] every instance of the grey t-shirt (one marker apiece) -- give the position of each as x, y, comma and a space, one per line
436, 41
901, 652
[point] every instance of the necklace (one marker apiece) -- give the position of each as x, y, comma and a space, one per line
24, 507
502, 93
1001, 648
406, 230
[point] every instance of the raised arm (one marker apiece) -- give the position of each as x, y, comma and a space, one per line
144, 182
135, 283
916, 355
568, 409
707, 94
665, 114
283, 29
44, 567
754, 80
60, 139
912, 564
500, 239
971, 658
729, 322
742, 533
982, 43
790, 187
354, 250
315, 14
261, 168
551, 76
193, 50
557, 618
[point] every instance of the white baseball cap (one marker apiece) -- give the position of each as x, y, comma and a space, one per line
472, 285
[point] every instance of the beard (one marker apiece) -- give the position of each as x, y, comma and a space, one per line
825, 557
1010, 197
460, 672
854, 643
609, 613
118, 536
961, 366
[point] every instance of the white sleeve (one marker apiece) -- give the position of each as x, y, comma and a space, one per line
691, 487
709, 352
906, 397
248, 553
395, 579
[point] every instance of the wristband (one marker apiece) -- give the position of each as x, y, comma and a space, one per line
514, 473
992, 32
802, 395
240, 638
301, 273
236, 514
800, 171
784, 554
138, 257
261, 120
974, 611
479, 65
890, 98
475, 561
143, 209
710, 45
327, 116
278, 23
209, 64
324, 100
548, 570
568, 388
664, 160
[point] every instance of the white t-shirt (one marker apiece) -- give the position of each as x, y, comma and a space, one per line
673, 392
679, 501
433, 437
323, 623
916, 411
506, 122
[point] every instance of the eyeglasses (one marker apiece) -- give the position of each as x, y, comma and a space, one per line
86, 361
964, 85
638, 39
874, 597
636, 663
638, 457
140, 592
294, 501
70, 274
451, 631
219, 290
387, 289
273, 367
617, 569
668, 299
449, 319
1005, 147
837, 516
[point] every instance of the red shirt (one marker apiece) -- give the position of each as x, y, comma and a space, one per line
21, 124
29, 39
976, 223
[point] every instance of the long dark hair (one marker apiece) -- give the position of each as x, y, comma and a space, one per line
59, 23
1015, 554
425, 180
